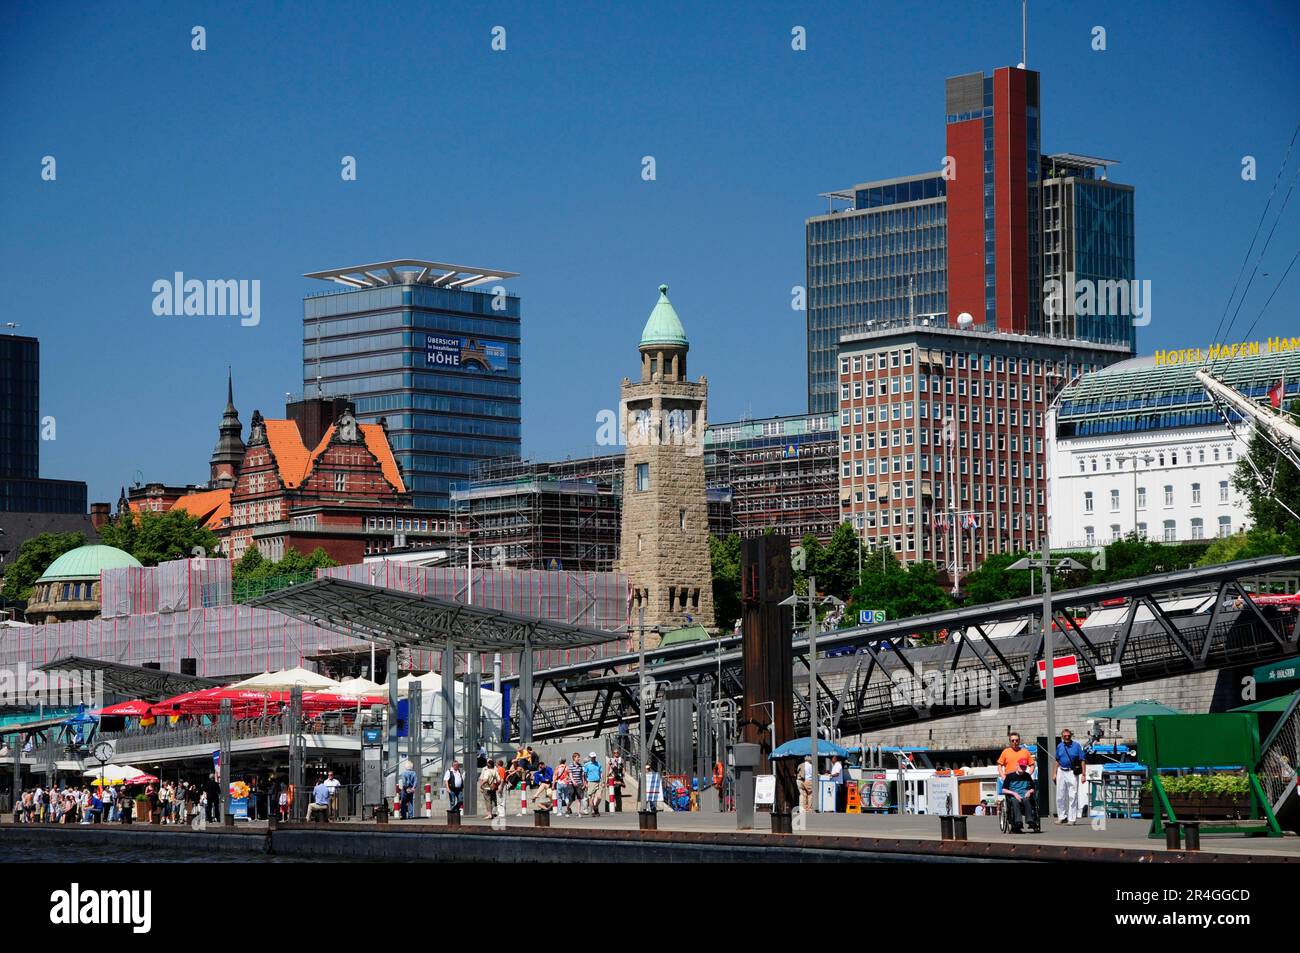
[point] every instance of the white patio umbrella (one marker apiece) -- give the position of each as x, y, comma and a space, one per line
358, 687
114, 773
286, 680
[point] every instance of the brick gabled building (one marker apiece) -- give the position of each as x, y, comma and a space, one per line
341, 489
349, 473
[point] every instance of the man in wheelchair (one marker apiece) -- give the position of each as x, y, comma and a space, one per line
1021, 803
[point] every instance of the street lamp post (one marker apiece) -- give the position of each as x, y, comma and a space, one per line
1049, 654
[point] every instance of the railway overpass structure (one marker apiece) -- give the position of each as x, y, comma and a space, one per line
868, 684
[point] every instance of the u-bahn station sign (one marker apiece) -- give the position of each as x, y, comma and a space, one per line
1219, 352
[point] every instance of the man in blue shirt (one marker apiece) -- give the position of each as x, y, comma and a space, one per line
320, 801
406, 784
591, 773
1069, 772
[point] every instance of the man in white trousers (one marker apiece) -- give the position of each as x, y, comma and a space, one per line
1070, 766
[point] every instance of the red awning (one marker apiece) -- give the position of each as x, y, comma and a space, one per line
131, 709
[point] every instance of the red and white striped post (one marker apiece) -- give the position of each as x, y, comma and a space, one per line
428, 799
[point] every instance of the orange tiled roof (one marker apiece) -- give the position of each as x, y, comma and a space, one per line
286, 443
210, 506
377, 443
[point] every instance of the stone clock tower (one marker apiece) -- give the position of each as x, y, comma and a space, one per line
664, 539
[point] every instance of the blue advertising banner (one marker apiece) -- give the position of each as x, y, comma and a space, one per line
452, 350
239, 807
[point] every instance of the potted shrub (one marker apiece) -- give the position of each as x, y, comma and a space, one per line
1202, 796
142, 813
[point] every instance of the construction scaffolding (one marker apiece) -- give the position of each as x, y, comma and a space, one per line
560, 516
225, 641
777, 481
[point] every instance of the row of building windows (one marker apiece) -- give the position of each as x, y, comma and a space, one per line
1169, 531
1089, 504
1160, 458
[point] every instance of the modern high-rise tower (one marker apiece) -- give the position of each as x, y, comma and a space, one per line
984, 235
432, 348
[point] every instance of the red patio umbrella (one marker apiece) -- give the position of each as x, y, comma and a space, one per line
327, 701
131, 709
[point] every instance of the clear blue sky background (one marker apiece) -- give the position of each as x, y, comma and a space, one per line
225, 164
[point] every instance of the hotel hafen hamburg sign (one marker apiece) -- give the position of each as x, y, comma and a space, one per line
462, 353
1219, 352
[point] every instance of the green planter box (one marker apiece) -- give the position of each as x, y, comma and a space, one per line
1201, 807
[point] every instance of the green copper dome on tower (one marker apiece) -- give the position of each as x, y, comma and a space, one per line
663, 326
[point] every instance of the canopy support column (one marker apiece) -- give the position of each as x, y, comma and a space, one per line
448, 706
526, 692
472, 709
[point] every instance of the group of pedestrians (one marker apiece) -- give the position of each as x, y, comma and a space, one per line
173, 802
1018, 782
574, 787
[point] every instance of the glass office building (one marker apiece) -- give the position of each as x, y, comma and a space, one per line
418, 344
1087, 236
878, 263
21, 488
984, 235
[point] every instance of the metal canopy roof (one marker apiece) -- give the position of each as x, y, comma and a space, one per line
376, 614
149, 684
415, 271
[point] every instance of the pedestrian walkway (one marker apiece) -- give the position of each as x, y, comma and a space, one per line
1123, 834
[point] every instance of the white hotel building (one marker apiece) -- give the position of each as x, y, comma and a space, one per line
1140, 446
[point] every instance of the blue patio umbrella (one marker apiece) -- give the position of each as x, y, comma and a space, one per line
802, 747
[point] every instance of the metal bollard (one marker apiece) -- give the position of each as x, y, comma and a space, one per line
958, 827
781, 823
945, 827
1193, 837
1173, 837
381, 814
647, 820
272, 821
453, 818
541, 818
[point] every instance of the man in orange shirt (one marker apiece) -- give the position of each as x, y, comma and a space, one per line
1011, 756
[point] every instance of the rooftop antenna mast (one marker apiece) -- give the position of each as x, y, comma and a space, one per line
1024, 34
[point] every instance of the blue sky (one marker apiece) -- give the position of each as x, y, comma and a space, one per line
225, 164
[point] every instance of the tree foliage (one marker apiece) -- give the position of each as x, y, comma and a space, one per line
34, 557
254, 566
901, 592
153, 538
724, 555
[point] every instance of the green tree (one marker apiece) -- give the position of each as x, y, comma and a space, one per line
901, 592
993, 582
153, 538
837, 564
724, 556
1271, 485
252, 565
34, 557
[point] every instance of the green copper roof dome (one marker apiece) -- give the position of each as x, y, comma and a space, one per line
663, 326
85, 562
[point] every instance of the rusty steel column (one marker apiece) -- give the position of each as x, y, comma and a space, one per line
765, 580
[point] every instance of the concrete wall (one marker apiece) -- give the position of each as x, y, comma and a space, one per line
1195, 693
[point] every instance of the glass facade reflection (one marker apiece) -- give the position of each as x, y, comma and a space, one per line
881, 262
21, 488
441, 365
